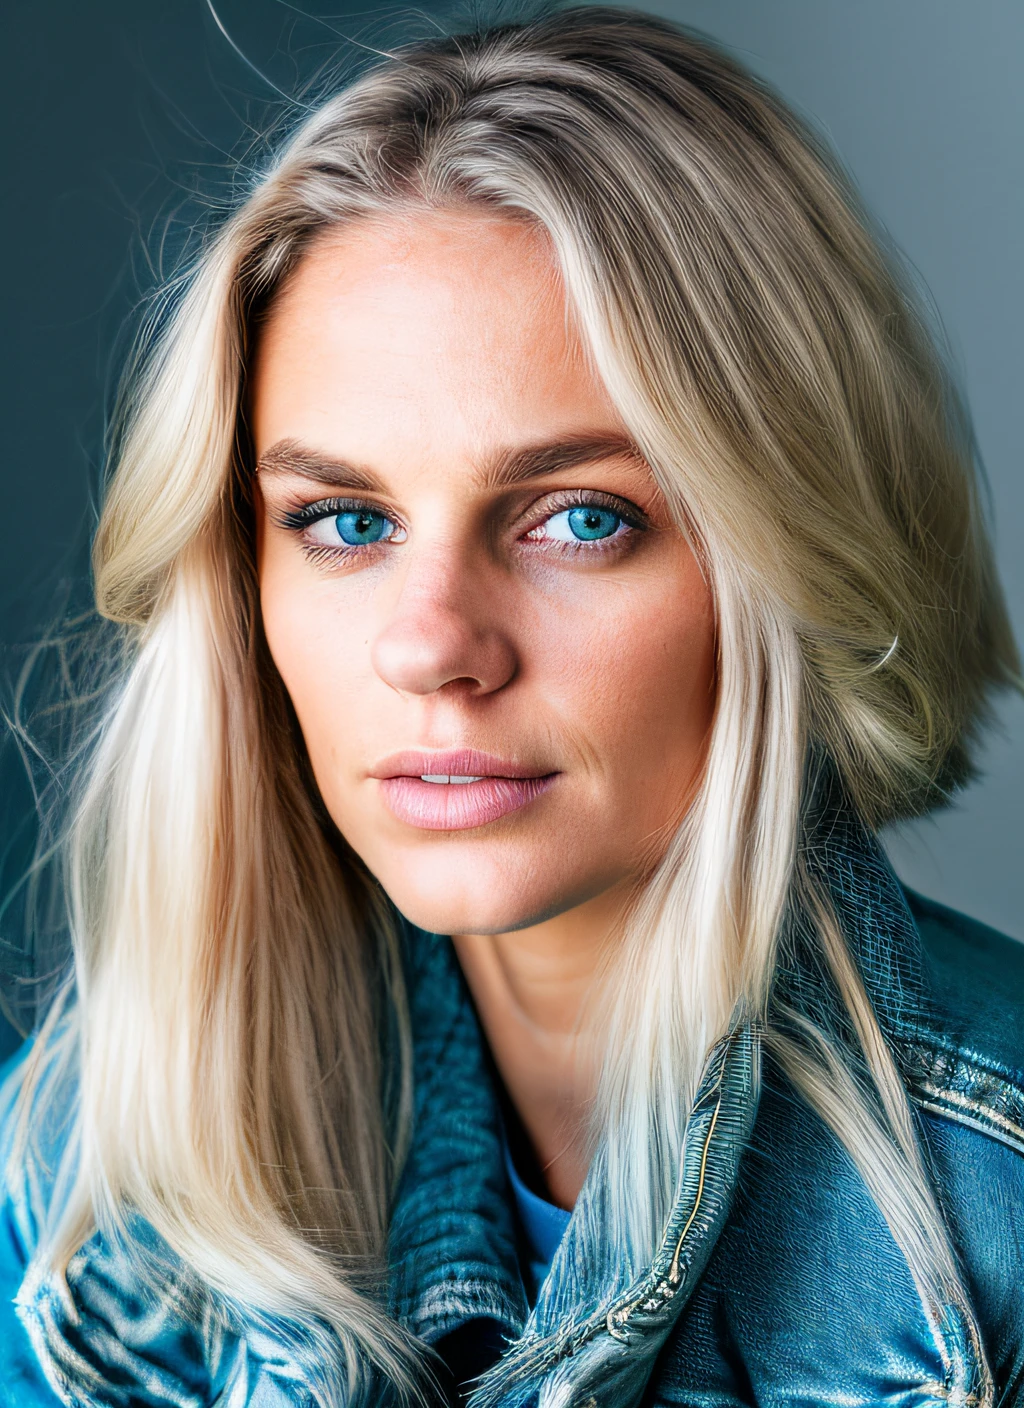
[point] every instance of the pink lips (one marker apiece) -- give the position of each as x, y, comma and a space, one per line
499, 787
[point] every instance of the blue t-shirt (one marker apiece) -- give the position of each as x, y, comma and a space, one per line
543, 1223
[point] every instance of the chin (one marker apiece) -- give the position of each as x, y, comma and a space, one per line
464, 896
463, 913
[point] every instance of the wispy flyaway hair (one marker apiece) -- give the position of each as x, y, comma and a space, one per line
233, 966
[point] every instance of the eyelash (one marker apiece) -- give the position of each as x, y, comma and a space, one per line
631, 518
304, 515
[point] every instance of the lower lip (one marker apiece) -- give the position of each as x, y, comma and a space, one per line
459, 806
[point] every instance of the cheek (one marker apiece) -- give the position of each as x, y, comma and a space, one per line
321, 652
638, 685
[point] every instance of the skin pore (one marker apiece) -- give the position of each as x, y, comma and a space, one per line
466, 570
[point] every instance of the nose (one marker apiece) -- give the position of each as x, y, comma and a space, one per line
445, 628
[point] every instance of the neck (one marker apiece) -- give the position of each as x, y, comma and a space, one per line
531, 989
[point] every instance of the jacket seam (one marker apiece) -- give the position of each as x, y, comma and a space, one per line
950, 1084
939, 1102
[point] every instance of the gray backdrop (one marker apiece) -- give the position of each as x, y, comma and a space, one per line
924, 101
116, 114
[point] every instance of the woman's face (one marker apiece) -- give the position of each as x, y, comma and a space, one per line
499, 647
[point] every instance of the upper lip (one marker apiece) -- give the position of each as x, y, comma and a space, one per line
457, 762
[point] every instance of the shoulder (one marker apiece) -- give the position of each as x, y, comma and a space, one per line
806, 1288
103, 1331
964, 1069
963, 1057
976, 976
773, 1317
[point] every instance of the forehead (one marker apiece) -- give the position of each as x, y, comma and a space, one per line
426, 333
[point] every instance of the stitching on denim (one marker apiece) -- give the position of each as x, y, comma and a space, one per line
965, 1112
949, 1084
948, 1395
665, 1288
674, 1273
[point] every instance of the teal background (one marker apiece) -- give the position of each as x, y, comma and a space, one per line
119, 121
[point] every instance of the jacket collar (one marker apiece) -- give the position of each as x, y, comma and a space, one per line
460, 1261
848, 862
604, 1349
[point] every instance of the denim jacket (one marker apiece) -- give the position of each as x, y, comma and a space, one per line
777, 1281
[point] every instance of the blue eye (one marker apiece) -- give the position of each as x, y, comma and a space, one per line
358, 526
588, 523
354, 527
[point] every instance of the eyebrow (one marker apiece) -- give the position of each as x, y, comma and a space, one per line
511, 467
291, 457
505, 470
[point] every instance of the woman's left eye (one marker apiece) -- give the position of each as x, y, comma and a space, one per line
353, 528
586, 523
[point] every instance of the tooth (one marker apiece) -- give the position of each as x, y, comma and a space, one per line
434, 777
464, 779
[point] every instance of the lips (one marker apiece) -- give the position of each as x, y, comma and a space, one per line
484, 789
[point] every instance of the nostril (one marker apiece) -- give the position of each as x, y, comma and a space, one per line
421, 657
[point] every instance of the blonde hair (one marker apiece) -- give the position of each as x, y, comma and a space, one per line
234, 966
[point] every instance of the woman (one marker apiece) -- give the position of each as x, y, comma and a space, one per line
540, 515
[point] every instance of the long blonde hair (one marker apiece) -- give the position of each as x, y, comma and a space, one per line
234, 967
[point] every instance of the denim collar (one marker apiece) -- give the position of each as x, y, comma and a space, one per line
453, 1242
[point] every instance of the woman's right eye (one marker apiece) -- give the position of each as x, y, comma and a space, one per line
351, 528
